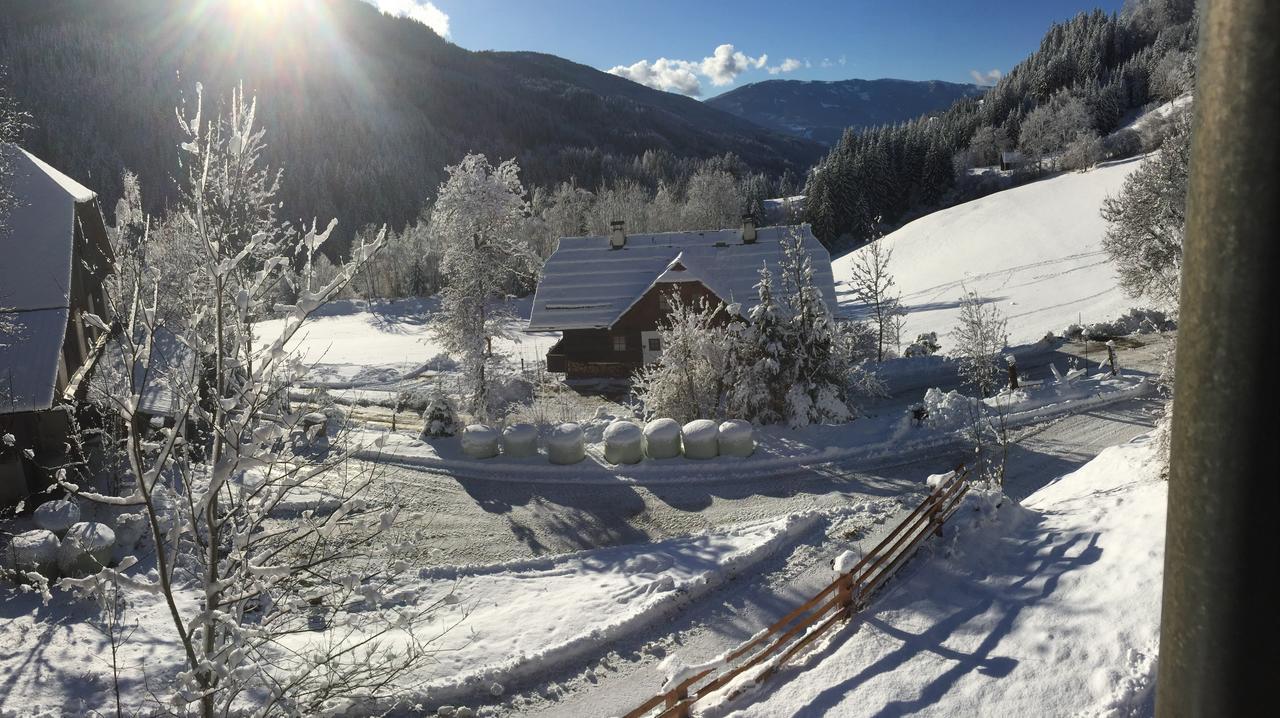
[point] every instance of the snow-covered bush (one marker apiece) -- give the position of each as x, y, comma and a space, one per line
736, 438
925, 345
688, 381
623, 443
1135, 321
34, 551
57, 516
520, 440
480, 441
439, 419
662, 439
947, 411
565, 444
86, 549
701, 439
129, 531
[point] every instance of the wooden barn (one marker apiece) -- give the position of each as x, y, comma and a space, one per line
608, 295
54, 256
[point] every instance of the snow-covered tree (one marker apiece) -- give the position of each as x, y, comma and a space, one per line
818, 371
243, 588
758, 388
477, 217
1146, 221
1053, 125
12, 122
689, 380
980, 338
712, 200
873, 286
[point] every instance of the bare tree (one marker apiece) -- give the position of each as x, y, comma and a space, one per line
243, 587
873, 286
980, 337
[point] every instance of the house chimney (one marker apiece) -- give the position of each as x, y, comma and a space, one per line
748, 229
617, 234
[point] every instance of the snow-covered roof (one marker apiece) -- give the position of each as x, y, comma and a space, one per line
588, 285
30, 342
36, 249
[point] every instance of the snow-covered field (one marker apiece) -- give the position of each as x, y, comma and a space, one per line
1034, 250
1047, 608
384, 346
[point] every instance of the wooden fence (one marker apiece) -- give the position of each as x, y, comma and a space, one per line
846, 596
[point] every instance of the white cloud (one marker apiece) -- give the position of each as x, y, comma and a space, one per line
986, 79
663, 74
788, 65
424, 12
722, 67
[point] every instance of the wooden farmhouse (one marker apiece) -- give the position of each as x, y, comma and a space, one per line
608, 295
54, 256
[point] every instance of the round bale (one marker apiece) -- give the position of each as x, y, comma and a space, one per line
86, 548
737, 438
479, 441
57, 516
565, 445
662, 439
701, 439
520, 440
34, 551
623, 443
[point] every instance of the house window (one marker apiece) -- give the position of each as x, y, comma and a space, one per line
619, 342
655, 344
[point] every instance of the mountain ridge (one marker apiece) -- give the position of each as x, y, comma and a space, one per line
821, 110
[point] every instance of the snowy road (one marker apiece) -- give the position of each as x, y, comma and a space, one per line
741, 609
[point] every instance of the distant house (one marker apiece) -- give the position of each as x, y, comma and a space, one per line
54, 256
1010, 160
608, 295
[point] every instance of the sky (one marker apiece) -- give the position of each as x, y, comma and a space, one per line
702, 48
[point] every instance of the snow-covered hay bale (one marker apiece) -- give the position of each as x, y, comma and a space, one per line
86, 548
57, 516
737, 438
520, 440
34, 551
480, 441
701, 439
662, 439
623, 443
565, 445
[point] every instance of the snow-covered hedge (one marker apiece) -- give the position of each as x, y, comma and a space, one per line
623, 443
86, 548
480, 441
34, 551
701, 439
662, 439
565, 444
520, 440
57, 516
737, 438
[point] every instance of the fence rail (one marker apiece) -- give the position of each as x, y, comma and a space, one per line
848, 594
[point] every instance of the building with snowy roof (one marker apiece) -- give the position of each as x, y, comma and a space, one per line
54, 257
608, 295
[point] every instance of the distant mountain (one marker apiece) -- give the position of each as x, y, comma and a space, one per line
362, 110
821, 111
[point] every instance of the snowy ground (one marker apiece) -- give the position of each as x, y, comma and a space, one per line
1034, 250
378, 349
1046, 608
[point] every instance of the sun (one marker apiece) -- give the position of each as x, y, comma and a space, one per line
263, 14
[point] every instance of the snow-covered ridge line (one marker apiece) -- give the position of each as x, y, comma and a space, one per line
884, 438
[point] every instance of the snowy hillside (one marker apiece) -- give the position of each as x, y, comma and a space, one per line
1034, 250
